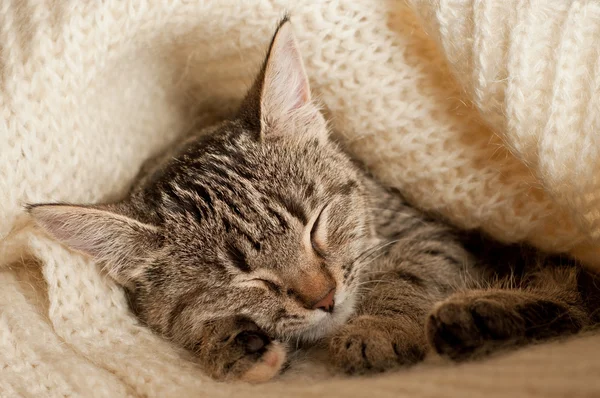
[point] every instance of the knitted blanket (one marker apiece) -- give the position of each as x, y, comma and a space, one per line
485, 111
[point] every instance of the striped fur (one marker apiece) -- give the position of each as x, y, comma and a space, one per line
260, 231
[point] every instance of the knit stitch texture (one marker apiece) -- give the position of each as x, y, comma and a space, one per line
485, 111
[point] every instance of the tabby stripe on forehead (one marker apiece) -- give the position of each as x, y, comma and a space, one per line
230, 224
202, 191
230, 173
237, 257
228, 191
256, 244
187, 204
233, 207
226, 224
293, 207
282, 222
230, 169
223, 178
309, 190
240, 167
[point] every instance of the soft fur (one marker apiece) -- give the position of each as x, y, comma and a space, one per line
260, 230
91, 89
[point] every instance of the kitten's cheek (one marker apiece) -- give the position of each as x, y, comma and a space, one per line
347, 304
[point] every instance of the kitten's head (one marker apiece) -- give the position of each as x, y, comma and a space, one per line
261, 217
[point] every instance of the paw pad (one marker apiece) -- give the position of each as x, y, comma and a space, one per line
252, 342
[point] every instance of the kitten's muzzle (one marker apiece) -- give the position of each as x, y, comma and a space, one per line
326, 303
314, 289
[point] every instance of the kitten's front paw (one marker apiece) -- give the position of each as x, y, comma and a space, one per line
267, 365
373, 344
465, 327
239, 350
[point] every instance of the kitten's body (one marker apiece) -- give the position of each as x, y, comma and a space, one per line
260, 230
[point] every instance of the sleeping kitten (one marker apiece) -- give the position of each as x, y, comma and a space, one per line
261, 230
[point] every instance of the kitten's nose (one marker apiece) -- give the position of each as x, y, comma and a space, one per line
326, 303
313, 289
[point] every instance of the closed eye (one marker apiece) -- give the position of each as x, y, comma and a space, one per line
318, 234
270, 284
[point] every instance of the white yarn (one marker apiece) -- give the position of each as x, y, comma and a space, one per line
88, 90
533, 71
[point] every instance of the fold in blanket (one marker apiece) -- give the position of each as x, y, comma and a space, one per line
485, 111
532, 69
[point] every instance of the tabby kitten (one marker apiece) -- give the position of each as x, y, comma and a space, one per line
261, 230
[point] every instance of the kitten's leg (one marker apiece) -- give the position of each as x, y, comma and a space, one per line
388, 330
400, 290
475, 323
236, 349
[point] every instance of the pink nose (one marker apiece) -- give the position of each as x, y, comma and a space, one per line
326, 303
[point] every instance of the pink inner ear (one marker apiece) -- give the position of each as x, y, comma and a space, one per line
80, 228
302, 94
286, 86
302, 88
302, 97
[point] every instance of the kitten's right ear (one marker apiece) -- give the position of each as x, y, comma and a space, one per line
121, 243
279, 102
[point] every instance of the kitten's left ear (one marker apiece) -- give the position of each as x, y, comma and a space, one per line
121, 243
279, 103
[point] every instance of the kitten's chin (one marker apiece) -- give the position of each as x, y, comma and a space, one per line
326, 324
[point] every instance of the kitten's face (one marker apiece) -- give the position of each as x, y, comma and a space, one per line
271, 229
262, 217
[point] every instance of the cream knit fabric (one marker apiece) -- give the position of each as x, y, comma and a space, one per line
487, 111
